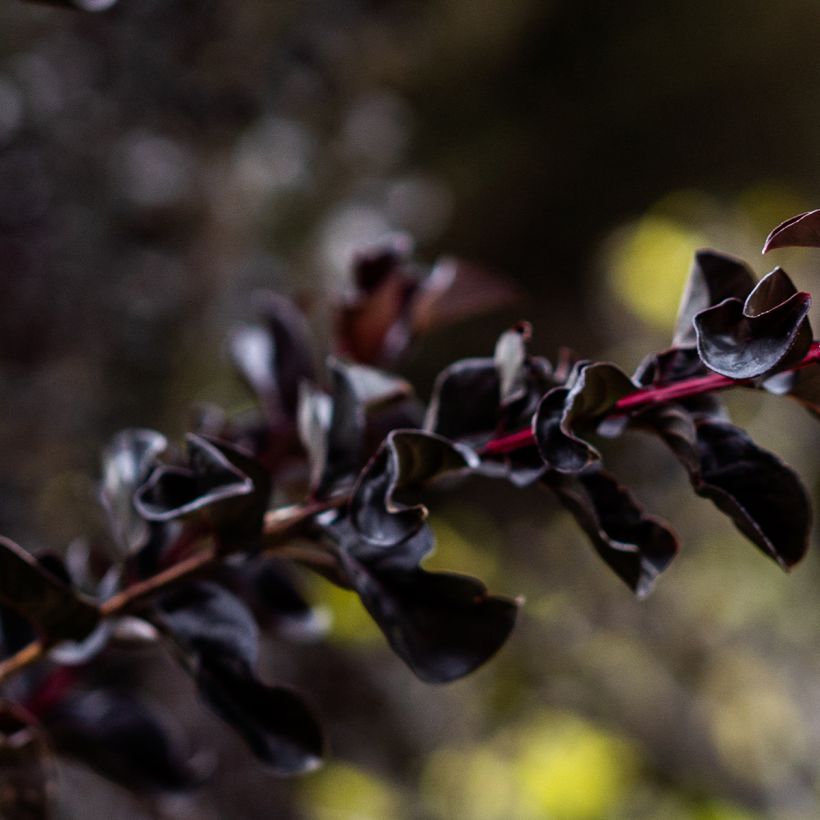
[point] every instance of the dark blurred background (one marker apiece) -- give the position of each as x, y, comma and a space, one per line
161, 160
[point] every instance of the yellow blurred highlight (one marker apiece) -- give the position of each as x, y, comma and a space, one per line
649, 266
344, 792
455, 553
559, 766
351, 622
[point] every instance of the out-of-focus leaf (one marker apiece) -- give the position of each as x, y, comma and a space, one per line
220, 485
802, 230
510, 356
767, 332
395, 301
271, 590
27, 771
56, 611
332, 428
637, 546
312, 424
763, 496
211, 622
713, 277
80, 5
273, 721
123, 740
374, 326
406, 459
126, 463
345, 435
442, 625
219, 637
802, 385
456, 290
275, 357
594, 393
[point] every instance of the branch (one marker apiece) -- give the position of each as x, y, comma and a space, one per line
283, 524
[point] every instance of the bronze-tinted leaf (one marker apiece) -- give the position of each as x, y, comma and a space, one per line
637, 546
802, 230
766, 333
406, 459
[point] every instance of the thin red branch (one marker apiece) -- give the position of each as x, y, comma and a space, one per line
647, 397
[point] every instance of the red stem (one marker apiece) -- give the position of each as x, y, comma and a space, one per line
647, 397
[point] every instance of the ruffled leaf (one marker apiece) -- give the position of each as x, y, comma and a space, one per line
443, 625
594, 393
637, 546
714, 276
802, 230
127, 462
767, 332
220, 485
406, 459
219, 638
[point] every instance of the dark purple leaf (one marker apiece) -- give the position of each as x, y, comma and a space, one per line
27, 772
273, 721
209, 621
80, 5
714, 277
767, 332
466, 401
442, 625
802, 385
271, 590
763, 496
126, 464
123, 740
219, 638
56, 611
275, 357
407, 459
510, 363
637, 546
802, 230
220, 485
456, 290
593, 394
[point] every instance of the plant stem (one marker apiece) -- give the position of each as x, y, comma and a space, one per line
282, 524
647, 397
279, 526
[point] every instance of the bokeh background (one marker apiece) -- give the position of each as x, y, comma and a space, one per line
161, 160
